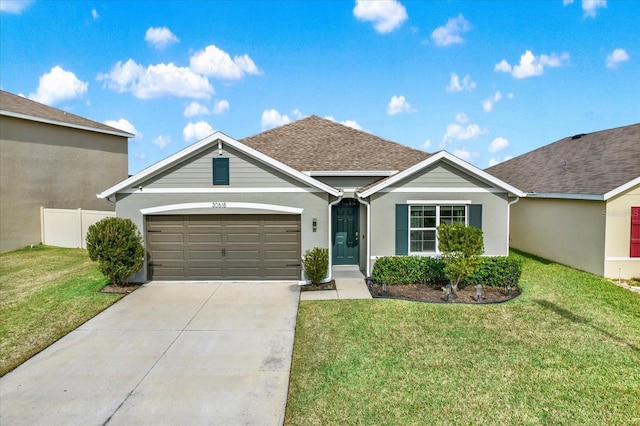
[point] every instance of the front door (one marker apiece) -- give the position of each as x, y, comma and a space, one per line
346, 233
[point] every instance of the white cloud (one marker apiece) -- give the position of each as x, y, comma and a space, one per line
498, 160
160, 37
463, 154
456, 131
14, 6
196, 131
220, 107
349, 123
386, 15
590, 7
124, 124
156, 81
498, 144
450, 33
398, 104
195, 108
462, 118
272, 118
426, 144
487, 104
617, 56
531, 66
214, 62
94, 14
161, 141
456, 86
57, 86
140, 155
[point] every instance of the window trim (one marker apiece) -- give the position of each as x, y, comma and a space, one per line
441, 203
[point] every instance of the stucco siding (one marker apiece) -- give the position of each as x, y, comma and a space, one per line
494, 218
43, 165
571, 232
244, 172
618, 235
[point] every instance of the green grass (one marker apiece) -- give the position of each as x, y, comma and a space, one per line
45, 293
567, 351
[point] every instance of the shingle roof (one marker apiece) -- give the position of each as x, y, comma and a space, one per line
18, 106
593, 164
317, 144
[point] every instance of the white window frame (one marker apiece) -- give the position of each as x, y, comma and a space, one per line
437, 204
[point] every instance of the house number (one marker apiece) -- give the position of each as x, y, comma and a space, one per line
219, 205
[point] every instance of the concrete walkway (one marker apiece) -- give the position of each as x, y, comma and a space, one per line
350, 284
169, 353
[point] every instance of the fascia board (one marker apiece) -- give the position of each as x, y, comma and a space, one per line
556, 195
443, 155
202, 145
376, 173
115, 132
622, 188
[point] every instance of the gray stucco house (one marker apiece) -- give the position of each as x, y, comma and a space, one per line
227, 209
52, 158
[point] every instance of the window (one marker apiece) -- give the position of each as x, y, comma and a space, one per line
423, 221
221, 171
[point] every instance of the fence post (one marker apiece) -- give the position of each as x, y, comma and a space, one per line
42, 225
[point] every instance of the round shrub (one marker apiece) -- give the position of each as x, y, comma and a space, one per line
316, 264
116, 245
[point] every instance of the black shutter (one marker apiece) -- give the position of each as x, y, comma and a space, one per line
475, 215
221, 171
402, 229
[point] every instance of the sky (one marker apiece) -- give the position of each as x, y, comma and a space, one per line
484, 80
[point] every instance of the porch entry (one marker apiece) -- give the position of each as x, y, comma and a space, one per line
346, 232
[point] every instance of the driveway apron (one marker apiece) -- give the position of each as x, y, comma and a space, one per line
169, 353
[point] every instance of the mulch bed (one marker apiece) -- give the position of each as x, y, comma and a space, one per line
120, 289
331, 285
435, 294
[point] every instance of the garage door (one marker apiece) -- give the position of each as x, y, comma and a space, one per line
223, 247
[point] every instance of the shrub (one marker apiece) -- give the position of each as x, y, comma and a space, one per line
316, 264
498, 271
408, 270
117, 246
461, 247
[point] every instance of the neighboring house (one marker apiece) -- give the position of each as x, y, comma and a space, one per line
582, 206
226, 209
51, 158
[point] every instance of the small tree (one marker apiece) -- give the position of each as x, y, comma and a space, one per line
461, 247
117, 246
316, 264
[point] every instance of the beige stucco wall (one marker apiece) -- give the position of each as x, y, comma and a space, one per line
618, 235
571, 232
43, 165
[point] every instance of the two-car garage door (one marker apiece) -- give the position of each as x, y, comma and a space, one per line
223, 247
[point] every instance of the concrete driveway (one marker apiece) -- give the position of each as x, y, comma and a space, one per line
169, 353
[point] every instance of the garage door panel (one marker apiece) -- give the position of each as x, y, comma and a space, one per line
224, 247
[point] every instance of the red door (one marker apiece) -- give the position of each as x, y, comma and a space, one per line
635, 232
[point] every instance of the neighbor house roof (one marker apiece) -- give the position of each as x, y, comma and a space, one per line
597, 165
20, 107
318, 144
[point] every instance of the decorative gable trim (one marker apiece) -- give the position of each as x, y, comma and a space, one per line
457, 162
204, 144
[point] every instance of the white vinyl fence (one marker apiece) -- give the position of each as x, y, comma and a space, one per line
68, 228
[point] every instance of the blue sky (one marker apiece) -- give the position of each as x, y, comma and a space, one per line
485, 80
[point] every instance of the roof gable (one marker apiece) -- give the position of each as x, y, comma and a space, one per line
202, 146
314, 144
594, 164
18, 107
440, 156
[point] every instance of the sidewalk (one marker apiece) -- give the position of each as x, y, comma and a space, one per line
350, 284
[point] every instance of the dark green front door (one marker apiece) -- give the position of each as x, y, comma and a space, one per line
345, 233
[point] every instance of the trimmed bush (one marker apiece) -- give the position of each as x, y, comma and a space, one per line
408, 270
498, 271
316, 264
117, 246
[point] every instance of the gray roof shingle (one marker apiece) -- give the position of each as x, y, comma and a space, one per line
14, 104
318, 144
591, 164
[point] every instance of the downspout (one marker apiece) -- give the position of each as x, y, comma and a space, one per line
330, 228
368, 235
509, 204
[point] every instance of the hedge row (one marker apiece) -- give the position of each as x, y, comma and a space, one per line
497, 271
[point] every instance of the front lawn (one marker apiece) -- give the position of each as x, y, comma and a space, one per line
567, 351
45, 292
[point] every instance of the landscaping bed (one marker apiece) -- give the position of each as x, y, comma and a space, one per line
435, 294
